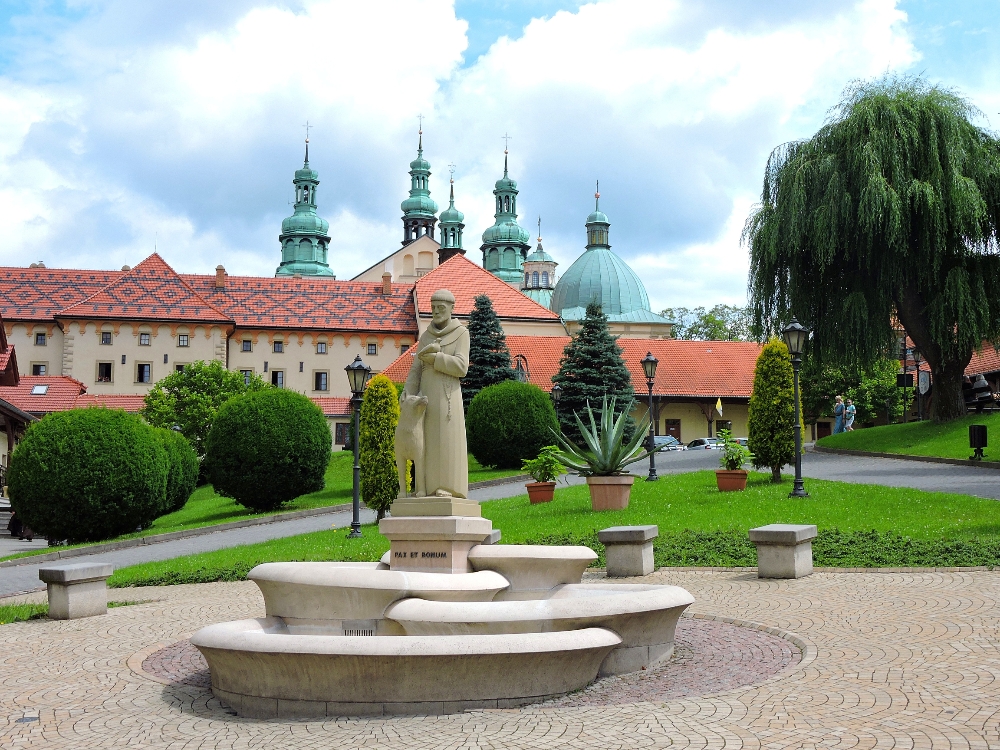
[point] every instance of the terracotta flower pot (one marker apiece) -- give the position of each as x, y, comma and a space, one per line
541, 492
610, 493
730, 481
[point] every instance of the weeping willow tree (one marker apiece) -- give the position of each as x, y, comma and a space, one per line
890, 211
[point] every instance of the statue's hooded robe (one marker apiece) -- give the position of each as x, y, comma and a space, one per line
446, 463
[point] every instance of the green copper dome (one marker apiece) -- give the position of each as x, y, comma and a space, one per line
304, 240
505, 244
598, 276
419, 210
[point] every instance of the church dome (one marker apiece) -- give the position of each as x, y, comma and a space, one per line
506, 232
419, 204
304, 223
451, 215
600, 276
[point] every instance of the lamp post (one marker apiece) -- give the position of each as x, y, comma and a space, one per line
556, 394
649, 363
357, 375
795, 335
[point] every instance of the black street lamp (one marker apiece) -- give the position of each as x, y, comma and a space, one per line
357, 375
556, 394
795, 335
649, 363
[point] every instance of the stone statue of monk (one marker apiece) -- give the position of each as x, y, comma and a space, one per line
442, 359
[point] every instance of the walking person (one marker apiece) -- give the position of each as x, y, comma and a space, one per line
838, 413
849, 412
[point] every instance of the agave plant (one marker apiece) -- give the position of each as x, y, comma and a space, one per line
606, 454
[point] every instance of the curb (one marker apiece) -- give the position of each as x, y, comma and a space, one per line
908, 457
201, 530
172, 535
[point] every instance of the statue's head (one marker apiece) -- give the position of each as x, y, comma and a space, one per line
442, 303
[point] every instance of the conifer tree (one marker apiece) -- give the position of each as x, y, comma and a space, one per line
772, 412
592, 367
379, 416
489, 358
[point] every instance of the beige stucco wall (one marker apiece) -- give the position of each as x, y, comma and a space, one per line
693, 422
82, 351
514, 327
22, 337
300, 360
406, 264
630, 330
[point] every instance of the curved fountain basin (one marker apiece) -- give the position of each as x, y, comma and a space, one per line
262, 669
360, 591
645, 617
532, 569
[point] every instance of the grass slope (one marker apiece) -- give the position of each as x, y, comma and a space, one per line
205, 508
948, 440
860, 526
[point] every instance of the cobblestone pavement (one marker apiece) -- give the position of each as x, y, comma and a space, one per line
889, 660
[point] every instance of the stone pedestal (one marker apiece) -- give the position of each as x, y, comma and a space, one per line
628, 550
435, 506
784, 550
433, 544
77, 590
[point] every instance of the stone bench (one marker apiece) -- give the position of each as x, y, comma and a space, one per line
77, 590
784, 550
628, 550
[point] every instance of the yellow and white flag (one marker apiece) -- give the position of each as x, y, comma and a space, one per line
718, 406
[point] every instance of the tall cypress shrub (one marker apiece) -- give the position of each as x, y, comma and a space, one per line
379, 416
772, 411
591, 368
489, 358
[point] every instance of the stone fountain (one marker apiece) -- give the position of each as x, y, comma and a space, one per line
447, 620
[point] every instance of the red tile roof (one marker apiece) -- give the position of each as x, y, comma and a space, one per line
698, 369
985, 361
466, 280
8, 366
320, 303
40, 293
131, 404
333, 406
150, 291
62, 393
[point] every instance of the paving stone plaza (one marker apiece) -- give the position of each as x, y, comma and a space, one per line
834, 660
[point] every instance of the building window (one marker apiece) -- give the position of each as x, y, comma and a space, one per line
279, 347
178, 368
723, 424
39, 368
143, 372
39, 390
182, 339
302, 366
247, 375
39, 339
373, 348
545, 279
278, 378
404, 348
104, 371
340, 433
527, 279
321, 347
321, 380
143, 339
246, 345
106, 338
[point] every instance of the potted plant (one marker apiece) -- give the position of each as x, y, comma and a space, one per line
607, 454
544, 471
732, 476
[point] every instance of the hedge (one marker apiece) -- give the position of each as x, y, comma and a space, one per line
509, 422
182, 477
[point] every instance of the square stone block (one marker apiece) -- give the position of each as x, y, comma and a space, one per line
433, 544
628, 550
77, 590
784, 550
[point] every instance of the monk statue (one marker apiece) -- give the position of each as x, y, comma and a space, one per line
442, 358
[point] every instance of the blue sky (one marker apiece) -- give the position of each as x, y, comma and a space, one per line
178, 124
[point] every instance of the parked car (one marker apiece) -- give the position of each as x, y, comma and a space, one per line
667, 443
745, 442
703, 444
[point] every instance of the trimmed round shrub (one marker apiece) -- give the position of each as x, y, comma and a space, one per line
509, 422
268, 447
88, 474
182, 477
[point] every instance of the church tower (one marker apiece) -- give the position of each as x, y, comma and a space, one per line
539, 273
304, 240
419, 210
505, 244
451, 227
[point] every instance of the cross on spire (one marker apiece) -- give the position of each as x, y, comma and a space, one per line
451, 170
539, 230
506, 142
307, 126
420, 119
597, 195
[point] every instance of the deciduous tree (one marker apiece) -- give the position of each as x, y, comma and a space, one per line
890, 211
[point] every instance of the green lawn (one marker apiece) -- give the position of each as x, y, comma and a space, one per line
205, 508
949, 440
860, 525
20, 612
